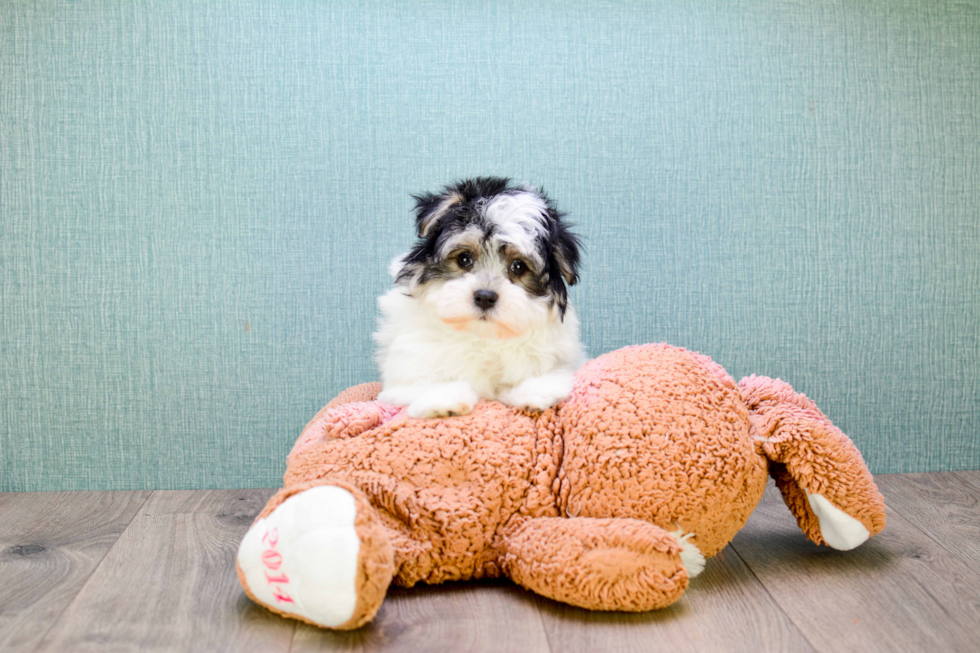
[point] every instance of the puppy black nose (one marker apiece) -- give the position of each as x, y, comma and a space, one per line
485, 299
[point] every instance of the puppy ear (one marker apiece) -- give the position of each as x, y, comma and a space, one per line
565, 248
429, 208
563, 261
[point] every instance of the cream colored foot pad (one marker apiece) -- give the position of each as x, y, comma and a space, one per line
302, 558
839, 530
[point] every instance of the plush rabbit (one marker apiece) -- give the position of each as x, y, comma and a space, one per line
609, 501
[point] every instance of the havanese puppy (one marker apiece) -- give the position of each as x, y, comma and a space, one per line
480, 307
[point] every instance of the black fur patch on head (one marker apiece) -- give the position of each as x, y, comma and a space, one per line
439, 216
456, 200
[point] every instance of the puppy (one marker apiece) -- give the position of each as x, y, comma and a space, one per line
479, 307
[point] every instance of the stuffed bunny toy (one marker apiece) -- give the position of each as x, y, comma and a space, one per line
611, 500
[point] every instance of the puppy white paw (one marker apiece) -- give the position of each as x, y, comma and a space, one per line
444, 400
539, 392
401, 395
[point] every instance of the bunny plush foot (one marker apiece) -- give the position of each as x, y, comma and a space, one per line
838, 529
320, 556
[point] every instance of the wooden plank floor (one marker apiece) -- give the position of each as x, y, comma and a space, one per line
154, 571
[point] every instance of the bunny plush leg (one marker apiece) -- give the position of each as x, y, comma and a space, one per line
600, 564
820, 473
318, 553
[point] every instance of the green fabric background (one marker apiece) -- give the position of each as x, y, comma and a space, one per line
199, 200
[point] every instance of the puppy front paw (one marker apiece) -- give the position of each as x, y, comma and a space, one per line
539, 392
400, 395
444, 400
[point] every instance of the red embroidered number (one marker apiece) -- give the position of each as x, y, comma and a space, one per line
272, 559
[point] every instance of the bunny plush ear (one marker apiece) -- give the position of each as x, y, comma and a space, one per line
820, 473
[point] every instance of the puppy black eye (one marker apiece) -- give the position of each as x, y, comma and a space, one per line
517, 268
465, 260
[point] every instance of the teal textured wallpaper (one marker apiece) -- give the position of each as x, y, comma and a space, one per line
199, 200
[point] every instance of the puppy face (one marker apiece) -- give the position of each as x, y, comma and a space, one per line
491, 257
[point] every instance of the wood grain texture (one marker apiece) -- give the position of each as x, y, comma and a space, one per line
945, 506
724, 609
50, 543
471, 616
169, 583
970, 477
900, 591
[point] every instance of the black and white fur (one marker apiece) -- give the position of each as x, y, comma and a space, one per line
480, 305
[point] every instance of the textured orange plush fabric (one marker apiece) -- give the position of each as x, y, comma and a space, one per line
808, 453
583, 502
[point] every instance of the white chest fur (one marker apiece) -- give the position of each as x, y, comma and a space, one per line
416, 347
